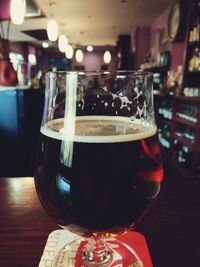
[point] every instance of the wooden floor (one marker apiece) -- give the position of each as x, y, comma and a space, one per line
172, 228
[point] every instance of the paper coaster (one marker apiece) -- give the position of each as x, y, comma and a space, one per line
127, 248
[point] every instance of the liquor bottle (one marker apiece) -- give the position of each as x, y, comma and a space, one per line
194, 62
176, 149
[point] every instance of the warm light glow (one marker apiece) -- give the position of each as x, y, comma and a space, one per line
89, 48
45, 45
17, 11
52, 30
62, 43
69, 52
15, 187
79, 55
32, 59
107, 57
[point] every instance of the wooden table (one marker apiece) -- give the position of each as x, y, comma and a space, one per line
172, 228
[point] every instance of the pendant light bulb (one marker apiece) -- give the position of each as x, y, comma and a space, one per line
79, 55
107, 57
62, 43
69, 52
52, 30
17, 11
89, 48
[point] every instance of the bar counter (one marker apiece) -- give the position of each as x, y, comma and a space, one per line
171, 228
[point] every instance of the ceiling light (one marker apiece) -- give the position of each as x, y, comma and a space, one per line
107, 57
45, 45
79, 55
62, 43
52, 30
89, 48
52, 26
17, 11
69, 52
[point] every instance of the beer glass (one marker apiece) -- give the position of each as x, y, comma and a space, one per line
99, 166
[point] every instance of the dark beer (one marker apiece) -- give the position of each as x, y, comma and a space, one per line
103, 175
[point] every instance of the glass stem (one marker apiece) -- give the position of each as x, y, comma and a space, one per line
96, 252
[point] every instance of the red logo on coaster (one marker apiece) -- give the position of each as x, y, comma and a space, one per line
128, 250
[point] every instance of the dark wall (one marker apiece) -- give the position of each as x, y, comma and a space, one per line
20, 118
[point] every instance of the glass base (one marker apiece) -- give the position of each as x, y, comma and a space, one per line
86, 253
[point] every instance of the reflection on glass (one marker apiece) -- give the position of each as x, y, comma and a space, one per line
99, 167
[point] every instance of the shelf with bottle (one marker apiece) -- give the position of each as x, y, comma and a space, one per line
181, 130
163, 139
193, 57
166, 109
174, 81
194, 32
185, 122
186, 113
194, 60
185, 135
180, 139
181, 153
185, 141
164, 135
165, 112
191, 94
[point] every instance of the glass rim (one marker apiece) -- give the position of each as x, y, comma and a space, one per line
93, 73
